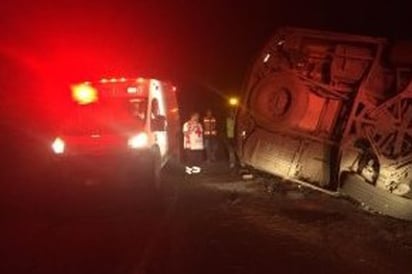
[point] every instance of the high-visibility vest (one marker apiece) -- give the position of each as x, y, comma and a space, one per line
209, 126
230, 127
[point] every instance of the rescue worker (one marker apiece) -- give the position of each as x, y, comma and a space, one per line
193, 144
210, 135
155, 109
230, 137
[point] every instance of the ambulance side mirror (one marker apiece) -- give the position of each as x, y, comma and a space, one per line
158, 123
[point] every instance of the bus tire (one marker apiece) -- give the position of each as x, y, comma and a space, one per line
279, 101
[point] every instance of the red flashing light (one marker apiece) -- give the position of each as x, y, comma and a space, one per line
174, 88
84, 94
140, 80
104, 81
123, 79
113, 80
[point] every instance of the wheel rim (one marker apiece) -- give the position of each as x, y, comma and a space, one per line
279, 101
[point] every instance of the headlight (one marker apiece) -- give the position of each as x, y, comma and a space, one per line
140, 140
58, 146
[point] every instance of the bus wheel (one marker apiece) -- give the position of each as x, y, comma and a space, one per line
279, 101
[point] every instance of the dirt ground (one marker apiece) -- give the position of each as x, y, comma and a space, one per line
210, 223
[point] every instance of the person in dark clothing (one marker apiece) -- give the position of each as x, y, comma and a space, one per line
210, 136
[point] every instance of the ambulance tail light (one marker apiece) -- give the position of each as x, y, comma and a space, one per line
137, 141
58, 146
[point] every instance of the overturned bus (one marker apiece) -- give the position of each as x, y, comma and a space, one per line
333, 111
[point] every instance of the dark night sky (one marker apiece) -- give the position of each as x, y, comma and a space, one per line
205, 46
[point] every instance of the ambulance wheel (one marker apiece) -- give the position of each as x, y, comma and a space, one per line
156, 167
152, 172
153, 188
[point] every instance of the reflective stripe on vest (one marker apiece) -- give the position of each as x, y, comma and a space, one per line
209, 125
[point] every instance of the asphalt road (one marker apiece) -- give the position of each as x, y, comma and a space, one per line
211, 223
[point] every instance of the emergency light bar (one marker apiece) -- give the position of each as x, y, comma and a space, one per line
84, 94
87, 93
139, 80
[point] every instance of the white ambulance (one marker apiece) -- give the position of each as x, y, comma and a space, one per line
116, 123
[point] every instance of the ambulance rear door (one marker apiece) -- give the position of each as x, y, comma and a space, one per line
157, 108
